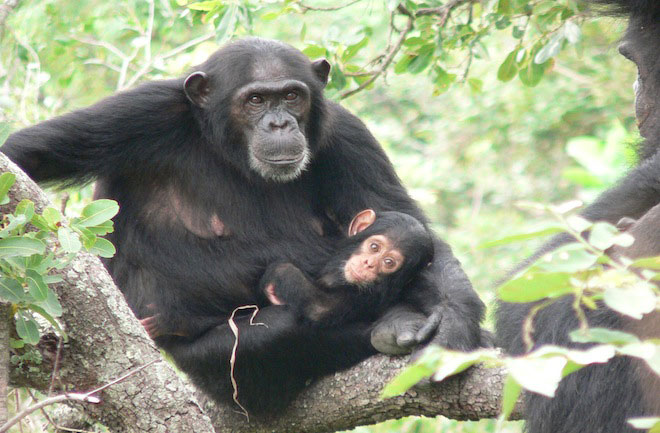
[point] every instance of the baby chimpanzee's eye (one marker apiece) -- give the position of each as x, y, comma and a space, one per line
374, 247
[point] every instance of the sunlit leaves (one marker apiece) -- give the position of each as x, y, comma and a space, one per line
28, 268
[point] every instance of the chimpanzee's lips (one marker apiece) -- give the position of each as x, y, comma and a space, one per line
359, 275
283, 160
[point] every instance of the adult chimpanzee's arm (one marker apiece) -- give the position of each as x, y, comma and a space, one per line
273, 362
359, 176
635, 194
131, 130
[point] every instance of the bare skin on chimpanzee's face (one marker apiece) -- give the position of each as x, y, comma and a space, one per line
375, 258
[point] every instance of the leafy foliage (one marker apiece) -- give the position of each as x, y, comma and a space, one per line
34, 247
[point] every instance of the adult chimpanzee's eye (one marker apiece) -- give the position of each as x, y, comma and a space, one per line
374, 247
291, 96
256, 99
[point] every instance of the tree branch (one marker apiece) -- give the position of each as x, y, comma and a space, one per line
443, 11
352, 398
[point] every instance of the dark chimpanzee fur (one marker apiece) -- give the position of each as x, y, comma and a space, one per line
221, 173
601, 397
324, 296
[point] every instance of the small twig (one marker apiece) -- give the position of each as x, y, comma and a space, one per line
108, 46
388, 58
17, 403
58, 353
232, 359
306, 8
50, 420
87, 397
528, 324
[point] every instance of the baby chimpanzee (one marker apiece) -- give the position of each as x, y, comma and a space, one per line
366, 273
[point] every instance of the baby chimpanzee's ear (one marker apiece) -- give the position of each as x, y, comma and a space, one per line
361, 221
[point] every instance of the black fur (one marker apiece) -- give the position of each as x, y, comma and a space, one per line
601, 397
176, 161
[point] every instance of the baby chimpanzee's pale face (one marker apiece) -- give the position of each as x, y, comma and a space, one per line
377, 256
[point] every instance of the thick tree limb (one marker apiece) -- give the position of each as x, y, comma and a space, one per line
107, 341
352, 398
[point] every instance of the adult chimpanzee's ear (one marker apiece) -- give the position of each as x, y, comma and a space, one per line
321, 69
361, 221
197, 88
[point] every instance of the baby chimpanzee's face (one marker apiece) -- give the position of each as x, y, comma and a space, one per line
377, 256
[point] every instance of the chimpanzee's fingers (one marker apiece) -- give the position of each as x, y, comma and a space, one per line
428, 330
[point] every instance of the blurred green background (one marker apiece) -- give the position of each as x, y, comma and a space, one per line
468, 145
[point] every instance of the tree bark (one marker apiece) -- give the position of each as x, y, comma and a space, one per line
5, 323
106, 341
351, 398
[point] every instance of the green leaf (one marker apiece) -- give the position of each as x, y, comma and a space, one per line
522, 237
52, 216
647, 263
604, 336
531, 75
422, 60
402, 65
578, 223
69, 240
205, 5
646, 423
352, 50
504, 7
508, 68
550, 50
450, 362
98, 212
476, 85
571, 32
11, 290
103, 248
338, 79
226, 25
40, 222
26, 208
632, 301
534, 286
51, 304
5, 129
6, 182
27, 329
314, 51
525, 371
602, 235
43, 313
20, 246
510, 394
406, 379
36, 286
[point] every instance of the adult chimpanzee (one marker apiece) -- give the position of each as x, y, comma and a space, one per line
365, 274
221, 173
599, 398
